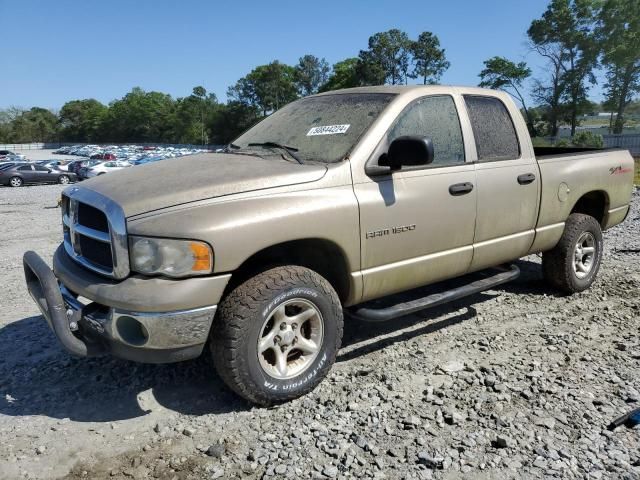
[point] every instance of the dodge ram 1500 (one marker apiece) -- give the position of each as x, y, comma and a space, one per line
322, 211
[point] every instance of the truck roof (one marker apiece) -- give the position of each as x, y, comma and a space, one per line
400, 89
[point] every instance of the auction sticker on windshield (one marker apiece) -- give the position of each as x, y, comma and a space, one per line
328, 130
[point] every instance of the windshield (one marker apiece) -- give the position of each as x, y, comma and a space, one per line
323, 128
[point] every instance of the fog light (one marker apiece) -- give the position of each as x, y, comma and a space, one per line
132, 331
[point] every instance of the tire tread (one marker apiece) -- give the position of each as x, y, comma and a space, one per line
557, 263
233, 320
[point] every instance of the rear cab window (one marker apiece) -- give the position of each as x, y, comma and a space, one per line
493, 129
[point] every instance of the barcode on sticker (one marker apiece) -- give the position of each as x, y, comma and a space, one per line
328, 130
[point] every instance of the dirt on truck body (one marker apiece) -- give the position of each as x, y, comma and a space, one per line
335, 208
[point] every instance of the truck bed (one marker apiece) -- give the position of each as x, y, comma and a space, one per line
542, 152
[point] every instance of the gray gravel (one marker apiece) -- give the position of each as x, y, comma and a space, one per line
513, 383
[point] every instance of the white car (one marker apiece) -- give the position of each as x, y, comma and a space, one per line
56, 165
106, 167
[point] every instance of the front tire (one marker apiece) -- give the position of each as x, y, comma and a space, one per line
573, 264
63, 179
275, 336
16, 182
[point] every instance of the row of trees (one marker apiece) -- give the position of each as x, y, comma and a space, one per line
199, 118
573, 37
137, 117
391, 58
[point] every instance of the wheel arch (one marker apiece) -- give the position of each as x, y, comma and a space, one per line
320, 255
594, 203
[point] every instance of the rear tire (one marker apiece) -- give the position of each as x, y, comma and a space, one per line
572, 265
275, 336
16, 182
63, 179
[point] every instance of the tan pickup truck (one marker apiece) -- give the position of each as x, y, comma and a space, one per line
324, 210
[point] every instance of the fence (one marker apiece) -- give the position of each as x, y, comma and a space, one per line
626, 141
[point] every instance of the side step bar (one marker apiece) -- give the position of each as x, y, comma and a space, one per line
400, 309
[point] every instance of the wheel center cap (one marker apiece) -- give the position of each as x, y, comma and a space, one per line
287, 336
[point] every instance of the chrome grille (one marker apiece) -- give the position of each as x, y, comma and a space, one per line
95, 232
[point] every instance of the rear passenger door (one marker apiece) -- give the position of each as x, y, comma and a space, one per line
508, 183
26, 172
42, 174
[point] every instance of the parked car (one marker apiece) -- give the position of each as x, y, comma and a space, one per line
331, 206
25, 173
106, 167
85, 165
54, 164
74, 166
103, 156
8, 154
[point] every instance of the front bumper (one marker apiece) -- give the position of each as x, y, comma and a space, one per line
92, 328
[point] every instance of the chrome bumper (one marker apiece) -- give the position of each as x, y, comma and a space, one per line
155, 330
89, 329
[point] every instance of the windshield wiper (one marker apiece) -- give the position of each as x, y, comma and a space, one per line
286, 148
233, 148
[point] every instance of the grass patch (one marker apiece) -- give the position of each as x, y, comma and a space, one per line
636, 175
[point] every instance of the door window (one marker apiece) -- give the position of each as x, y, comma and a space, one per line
25, 168
40, 168
434, 117
493, 129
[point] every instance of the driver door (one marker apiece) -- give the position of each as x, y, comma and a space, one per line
417, 224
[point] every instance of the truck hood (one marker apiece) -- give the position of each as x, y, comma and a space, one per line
176, 181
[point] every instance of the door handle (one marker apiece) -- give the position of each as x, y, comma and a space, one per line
460, 188
526, 178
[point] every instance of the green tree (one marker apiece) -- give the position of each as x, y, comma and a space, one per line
34, 125
344, 75
140, 116
618, 34
548, 93
230, 120
311, 73
7, 116
503, 74
267, 87
586, 138
81, 120
192, 116
387, 58
565, 32
429, 59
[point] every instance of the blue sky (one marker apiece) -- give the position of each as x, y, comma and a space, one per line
56, 51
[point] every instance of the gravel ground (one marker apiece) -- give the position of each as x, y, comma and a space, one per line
517, 382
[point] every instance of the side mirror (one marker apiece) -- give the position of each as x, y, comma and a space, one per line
409, 151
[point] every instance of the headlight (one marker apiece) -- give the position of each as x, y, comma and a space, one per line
174, 258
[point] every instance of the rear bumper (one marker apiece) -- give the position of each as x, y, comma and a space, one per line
92, 328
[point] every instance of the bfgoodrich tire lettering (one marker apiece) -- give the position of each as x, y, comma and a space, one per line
240, 324
573, 264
